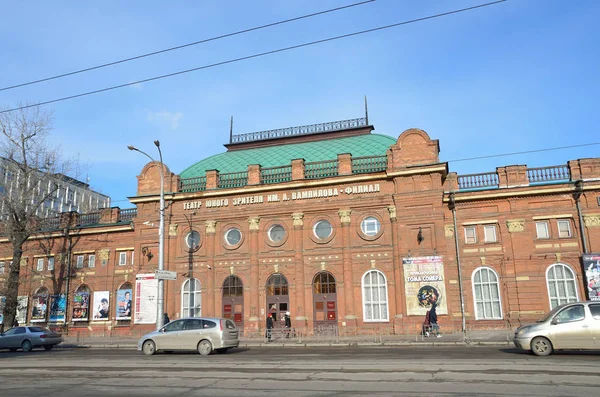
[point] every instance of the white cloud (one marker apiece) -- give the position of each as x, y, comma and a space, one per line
166, 117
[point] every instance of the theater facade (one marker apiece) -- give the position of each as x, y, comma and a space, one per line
344, 228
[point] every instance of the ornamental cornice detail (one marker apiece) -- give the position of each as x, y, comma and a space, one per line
297, 217
254, 223
515, 225
591, 220
449, 230
392, 210
345, 216
211, 227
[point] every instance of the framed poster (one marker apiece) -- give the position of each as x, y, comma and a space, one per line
81, 306
591, 269
39, 308
424, 282
101, 305
146, 292
124, 304
58, 307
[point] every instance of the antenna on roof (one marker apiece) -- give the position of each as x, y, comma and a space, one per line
366, 111
231, 130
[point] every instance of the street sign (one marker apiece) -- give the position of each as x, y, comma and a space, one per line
165, 275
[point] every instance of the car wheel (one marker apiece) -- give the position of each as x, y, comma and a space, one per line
48, 347
222, 350
204, 347
26, 346
541, 346
149, 348
13, 349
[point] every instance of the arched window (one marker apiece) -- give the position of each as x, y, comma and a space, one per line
191, 299
486, 294
561, 285
232, 287
277, 285
324, 283
375, 301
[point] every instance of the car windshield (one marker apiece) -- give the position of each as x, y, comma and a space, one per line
550, 314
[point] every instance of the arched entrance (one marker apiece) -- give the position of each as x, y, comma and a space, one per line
324, 300
233, 300
278, 298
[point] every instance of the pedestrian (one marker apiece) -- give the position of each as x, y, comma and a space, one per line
166, 319
433, 320
269, 328
288, 324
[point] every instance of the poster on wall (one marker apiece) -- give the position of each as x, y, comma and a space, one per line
124, 304
591, 269
81, 306
58, 307
101, 305
2, 304
424, 283
146, 290
39, 308
22, 309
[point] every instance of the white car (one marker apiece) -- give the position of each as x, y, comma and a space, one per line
27, 338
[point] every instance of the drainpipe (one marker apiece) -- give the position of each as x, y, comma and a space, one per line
452, 206
577, 196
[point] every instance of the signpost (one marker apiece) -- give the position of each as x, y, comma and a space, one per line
165, 275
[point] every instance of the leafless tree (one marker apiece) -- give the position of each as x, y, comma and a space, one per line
31, 170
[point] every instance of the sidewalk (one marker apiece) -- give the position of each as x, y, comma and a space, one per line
487, 337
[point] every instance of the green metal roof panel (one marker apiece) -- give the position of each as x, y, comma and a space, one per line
273, 156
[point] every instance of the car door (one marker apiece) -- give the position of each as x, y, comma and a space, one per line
7, 339
595, 323
169, 337
192, 333
570, 329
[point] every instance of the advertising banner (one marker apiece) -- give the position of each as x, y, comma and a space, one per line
424, 282
146, 291
81, 306
101, 305
591, 269
2, 304
58, 308
39, 308
22, 309
124, 304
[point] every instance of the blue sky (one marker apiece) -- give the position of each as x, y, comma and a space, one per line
520, 75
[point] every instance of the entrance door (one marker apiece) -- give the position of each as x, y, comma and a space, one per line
233, 300
325, 302
278, 299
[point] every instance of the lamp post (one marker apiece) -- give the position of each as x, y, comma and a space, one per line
161, 229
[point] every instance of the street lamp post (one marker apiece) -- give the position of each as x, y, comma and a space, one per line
161, 229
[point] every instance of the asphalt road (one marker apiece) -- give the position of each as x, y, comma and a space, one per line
310, 371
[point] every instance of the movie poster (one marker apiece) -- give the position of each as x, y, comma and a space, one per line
591, 269
124, 304
146, 291
22, 309
101, 305
424, 282
58, 307
2, 304
81, 306
39, 308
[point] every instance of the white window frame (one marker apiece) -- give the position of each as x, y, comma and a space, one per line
270, 233
80, 261
40, 265
494, 238
50, 263
227, 234
92, 261
315, 229
546, 227
557, 283
132, 256
368, 223
474, 229
375, 304
566, 222
486, 284
122, 258
185, 298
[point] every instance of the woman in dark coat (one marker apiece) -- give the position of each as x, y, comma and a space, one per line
269, 327
435, 328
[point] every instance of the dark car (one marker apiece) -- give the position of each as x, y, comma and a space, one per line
27, 338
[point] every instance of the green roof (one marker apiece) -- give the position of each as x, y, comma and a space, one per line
273, 156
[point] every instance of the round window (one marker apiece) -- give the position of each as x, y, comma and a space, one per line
322, 229
370, 226
192, 240
276, 233
233, 236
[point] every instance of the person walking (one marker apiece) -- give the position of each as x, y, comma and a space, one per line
288, 324
269, 328
433, 320
166, 319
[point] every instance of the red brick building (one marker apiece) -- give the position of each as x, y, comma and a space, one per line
343, 228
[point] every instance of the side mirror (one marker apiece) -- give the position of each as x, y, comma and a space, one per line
554, 321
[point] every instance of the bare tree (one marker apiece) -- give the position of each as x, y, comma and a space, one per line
32, 169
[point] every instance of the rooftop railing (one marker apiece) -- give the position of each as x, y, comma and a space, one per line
127, 214
548, 174
195, 184
90, 218
321, 169
365, 165
276, 174
474, 181
233, 179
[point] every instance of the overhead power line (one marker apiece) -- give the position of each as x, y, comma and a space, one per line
524, 152
184, 46
255, 56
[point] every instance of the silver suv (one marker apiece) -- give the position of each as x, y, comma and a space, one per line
202, 334
569, 326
